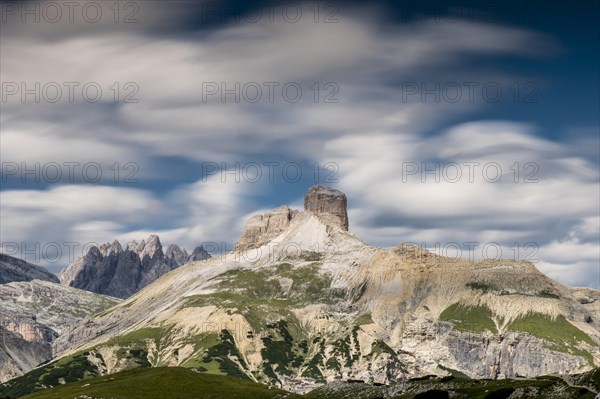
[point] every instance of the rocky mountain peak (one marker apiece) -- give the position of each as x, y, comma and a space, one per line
108, 249
113, 270
328, 204
199, 254
116, 247
260, 229
94, 253
150, 248
176, 255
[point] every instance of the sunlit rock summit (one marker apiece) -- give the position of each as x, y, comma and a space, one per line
328, 204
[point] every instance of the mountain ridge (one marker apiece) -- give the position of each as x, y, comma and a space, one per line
118, 271
14, 270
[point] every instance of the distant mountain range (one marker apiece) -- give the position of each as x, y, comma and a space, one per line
120, 272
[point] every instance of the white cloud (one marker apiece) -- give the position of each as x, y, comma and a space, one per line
211, 211
359, 54
555, 213
34, 145
369, 133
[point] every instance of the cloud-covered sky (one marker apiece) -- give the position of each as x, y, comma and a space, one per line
447, 124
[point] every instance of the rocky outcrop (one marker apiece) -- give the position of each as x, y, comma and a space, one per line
13, 269
328, 204
198, 254
175, 256
33, 315
18, 355
120, 272
590, 300
261, 229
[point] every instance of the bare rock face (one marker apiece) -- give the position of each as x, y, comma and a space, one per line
19, 355
328, 204
198, 254
175, 255
33, 314
151, 250
260, 229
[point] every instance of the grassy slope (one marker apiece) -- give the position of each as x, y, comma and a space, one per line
69, 369
561, 335
469, 318
160, 383
590, 379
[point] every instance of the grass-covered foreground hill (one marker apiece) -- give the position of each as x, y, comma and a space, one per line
162, 383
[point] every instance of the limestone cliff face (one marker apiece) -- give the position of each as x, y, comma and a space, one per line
18, 355
261, 229
328, 204
325, 203
120, 272
24, 343
33, 315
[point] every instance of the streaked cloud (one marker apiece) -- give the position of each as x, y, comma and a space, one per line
370, 133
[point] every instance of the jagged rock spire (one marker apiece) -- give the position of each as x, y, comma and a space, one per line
112, 270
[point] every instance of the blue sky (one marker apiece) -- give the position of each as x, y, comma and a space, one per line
372, 59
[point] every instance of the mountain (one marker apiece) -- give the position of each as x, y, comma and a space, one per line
303, 302
32, 315
13, 269
120, 272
